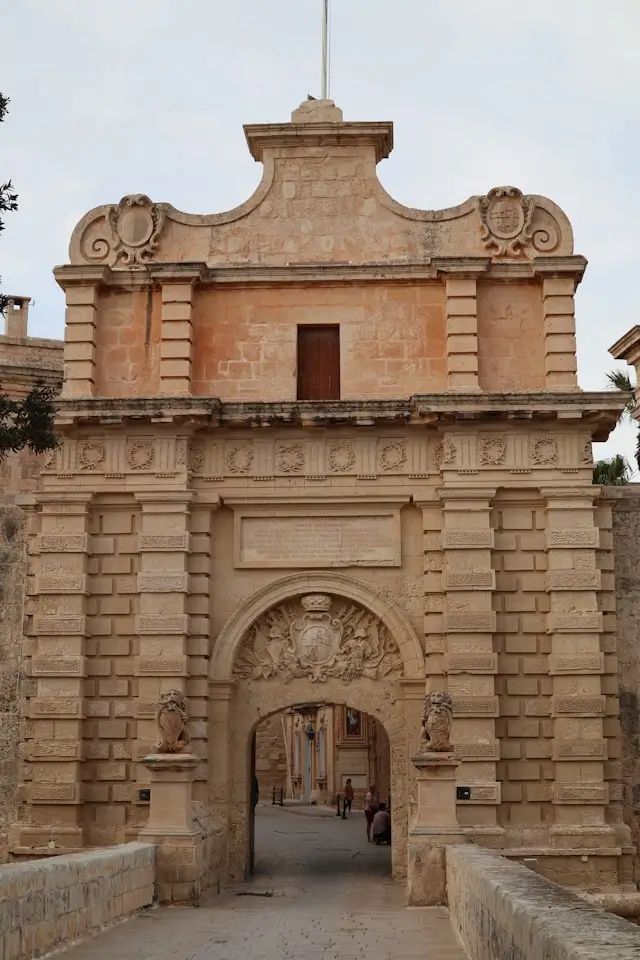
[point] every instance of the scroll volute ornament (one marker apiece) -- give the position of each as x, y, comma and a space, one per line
437, 718
171, 717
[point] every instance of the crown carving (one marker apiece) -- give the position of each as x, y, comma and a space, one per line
316, 603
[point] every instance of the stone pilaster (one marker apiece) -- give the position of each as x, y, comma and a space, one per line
462, 334
559, 333
82, 288
470, 662
56, 709
176, 343
434, 596
580, 793
162, 625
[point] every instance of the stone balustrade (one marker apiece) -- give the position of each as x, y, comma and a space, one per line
502, 909
45, 904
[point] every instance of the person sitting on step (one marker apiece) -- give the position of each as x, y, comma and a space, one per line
381, 827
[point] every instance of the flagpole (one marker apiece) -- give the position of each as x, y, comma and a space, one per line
325, 48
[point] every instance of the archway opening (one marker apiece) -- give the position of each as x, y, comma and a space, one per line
312, 766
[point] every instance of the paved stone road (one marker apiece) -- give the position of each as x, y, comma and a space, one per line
332, 899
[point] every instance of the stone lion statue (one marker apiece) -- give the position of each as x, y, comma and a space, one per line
171, 717
436, 723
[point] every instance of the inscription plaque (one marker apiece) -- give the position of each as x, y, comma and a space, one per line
321, 541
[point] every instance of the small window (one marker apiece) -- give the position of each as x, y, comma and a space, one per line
319, 363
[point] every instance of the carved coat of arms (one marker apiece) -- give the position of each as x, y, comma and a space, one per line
317, 639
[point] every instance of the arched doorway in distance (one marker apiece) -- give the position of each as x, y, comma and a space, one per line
304, 760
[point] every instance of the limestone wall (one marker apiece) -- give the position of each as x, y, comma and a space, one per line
626, 539
271, 757
53, 902
12, 592
502, 909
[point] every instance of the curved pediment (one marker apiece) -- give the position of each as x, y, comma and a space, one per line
320, 200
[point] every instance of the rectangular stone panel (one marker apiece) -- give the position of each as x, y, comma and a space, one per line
41, 750
574, 623
55, 793
471, 663
162, 582
485, 793
161, 543
62, 583
467, 540
162, 667
580, 750
470, 622
57, 626
576, 665
58, 666
346, 540
581, 793
478, 751
581, 538
573, 580
64, 543
470, 580
43, 707
157, 624
475, 707
578, 706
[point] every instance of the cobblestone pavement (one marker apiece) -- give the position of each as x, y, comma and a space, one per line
330, 898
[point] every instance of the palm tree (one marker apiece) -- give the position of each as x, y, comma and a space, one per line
612, 473
620, 380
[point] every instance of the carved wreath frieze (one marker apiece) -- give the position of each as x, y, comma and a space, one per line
444, 454
318, 637
342, 456
290, 458
195, 457
392, 454
239, 458
493, 451
91, 454
544, 451
507, 224
141, 454
587, 453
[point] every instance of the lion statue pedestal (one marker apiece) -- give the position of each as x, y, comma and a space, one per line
435, 824
171, 825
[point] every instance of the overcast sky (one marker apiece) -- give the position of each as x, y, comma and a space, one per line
150, 96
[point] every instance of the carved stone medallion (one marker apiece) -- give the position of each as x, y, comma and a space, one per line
290, 457
493, 451
544, 451
392, 455
140, 454
318, 637
505, 215
136, 224
239, 458
342, 456
444, 454
91, 454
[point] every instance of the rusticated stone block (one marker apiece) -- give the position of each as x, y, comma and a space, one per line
575, 622
578, 706
58, 666
470, 622
54, 626
471, 663
576, 664
162, 667
163, 582
580, 750
161, 543
581, 793
580, 538
160, 624
467, 540
63, 543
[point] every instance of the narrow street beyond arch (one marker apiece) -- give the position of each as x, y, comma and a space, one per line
319, 892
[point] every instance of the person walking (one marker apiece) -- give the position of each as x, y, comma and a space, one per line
371, 804
348, 795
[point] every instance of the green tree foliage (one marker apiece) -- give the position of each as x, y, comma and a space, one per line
27, 422
612, 473
8, 196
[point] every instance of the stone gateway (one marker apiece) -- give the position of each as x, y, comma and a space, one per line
234, 526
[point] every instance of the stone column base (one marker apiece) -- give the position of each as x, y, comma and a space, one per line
172, 829
435, 827
427, 857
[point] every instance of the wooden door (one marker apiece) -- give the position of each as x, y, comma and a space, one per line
319, 363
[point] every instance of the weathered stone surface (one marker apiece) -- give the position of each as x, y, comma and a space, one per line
502, 909
50, 903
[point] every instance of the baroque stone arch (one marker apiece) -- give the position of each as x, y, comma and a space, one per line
395, 637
